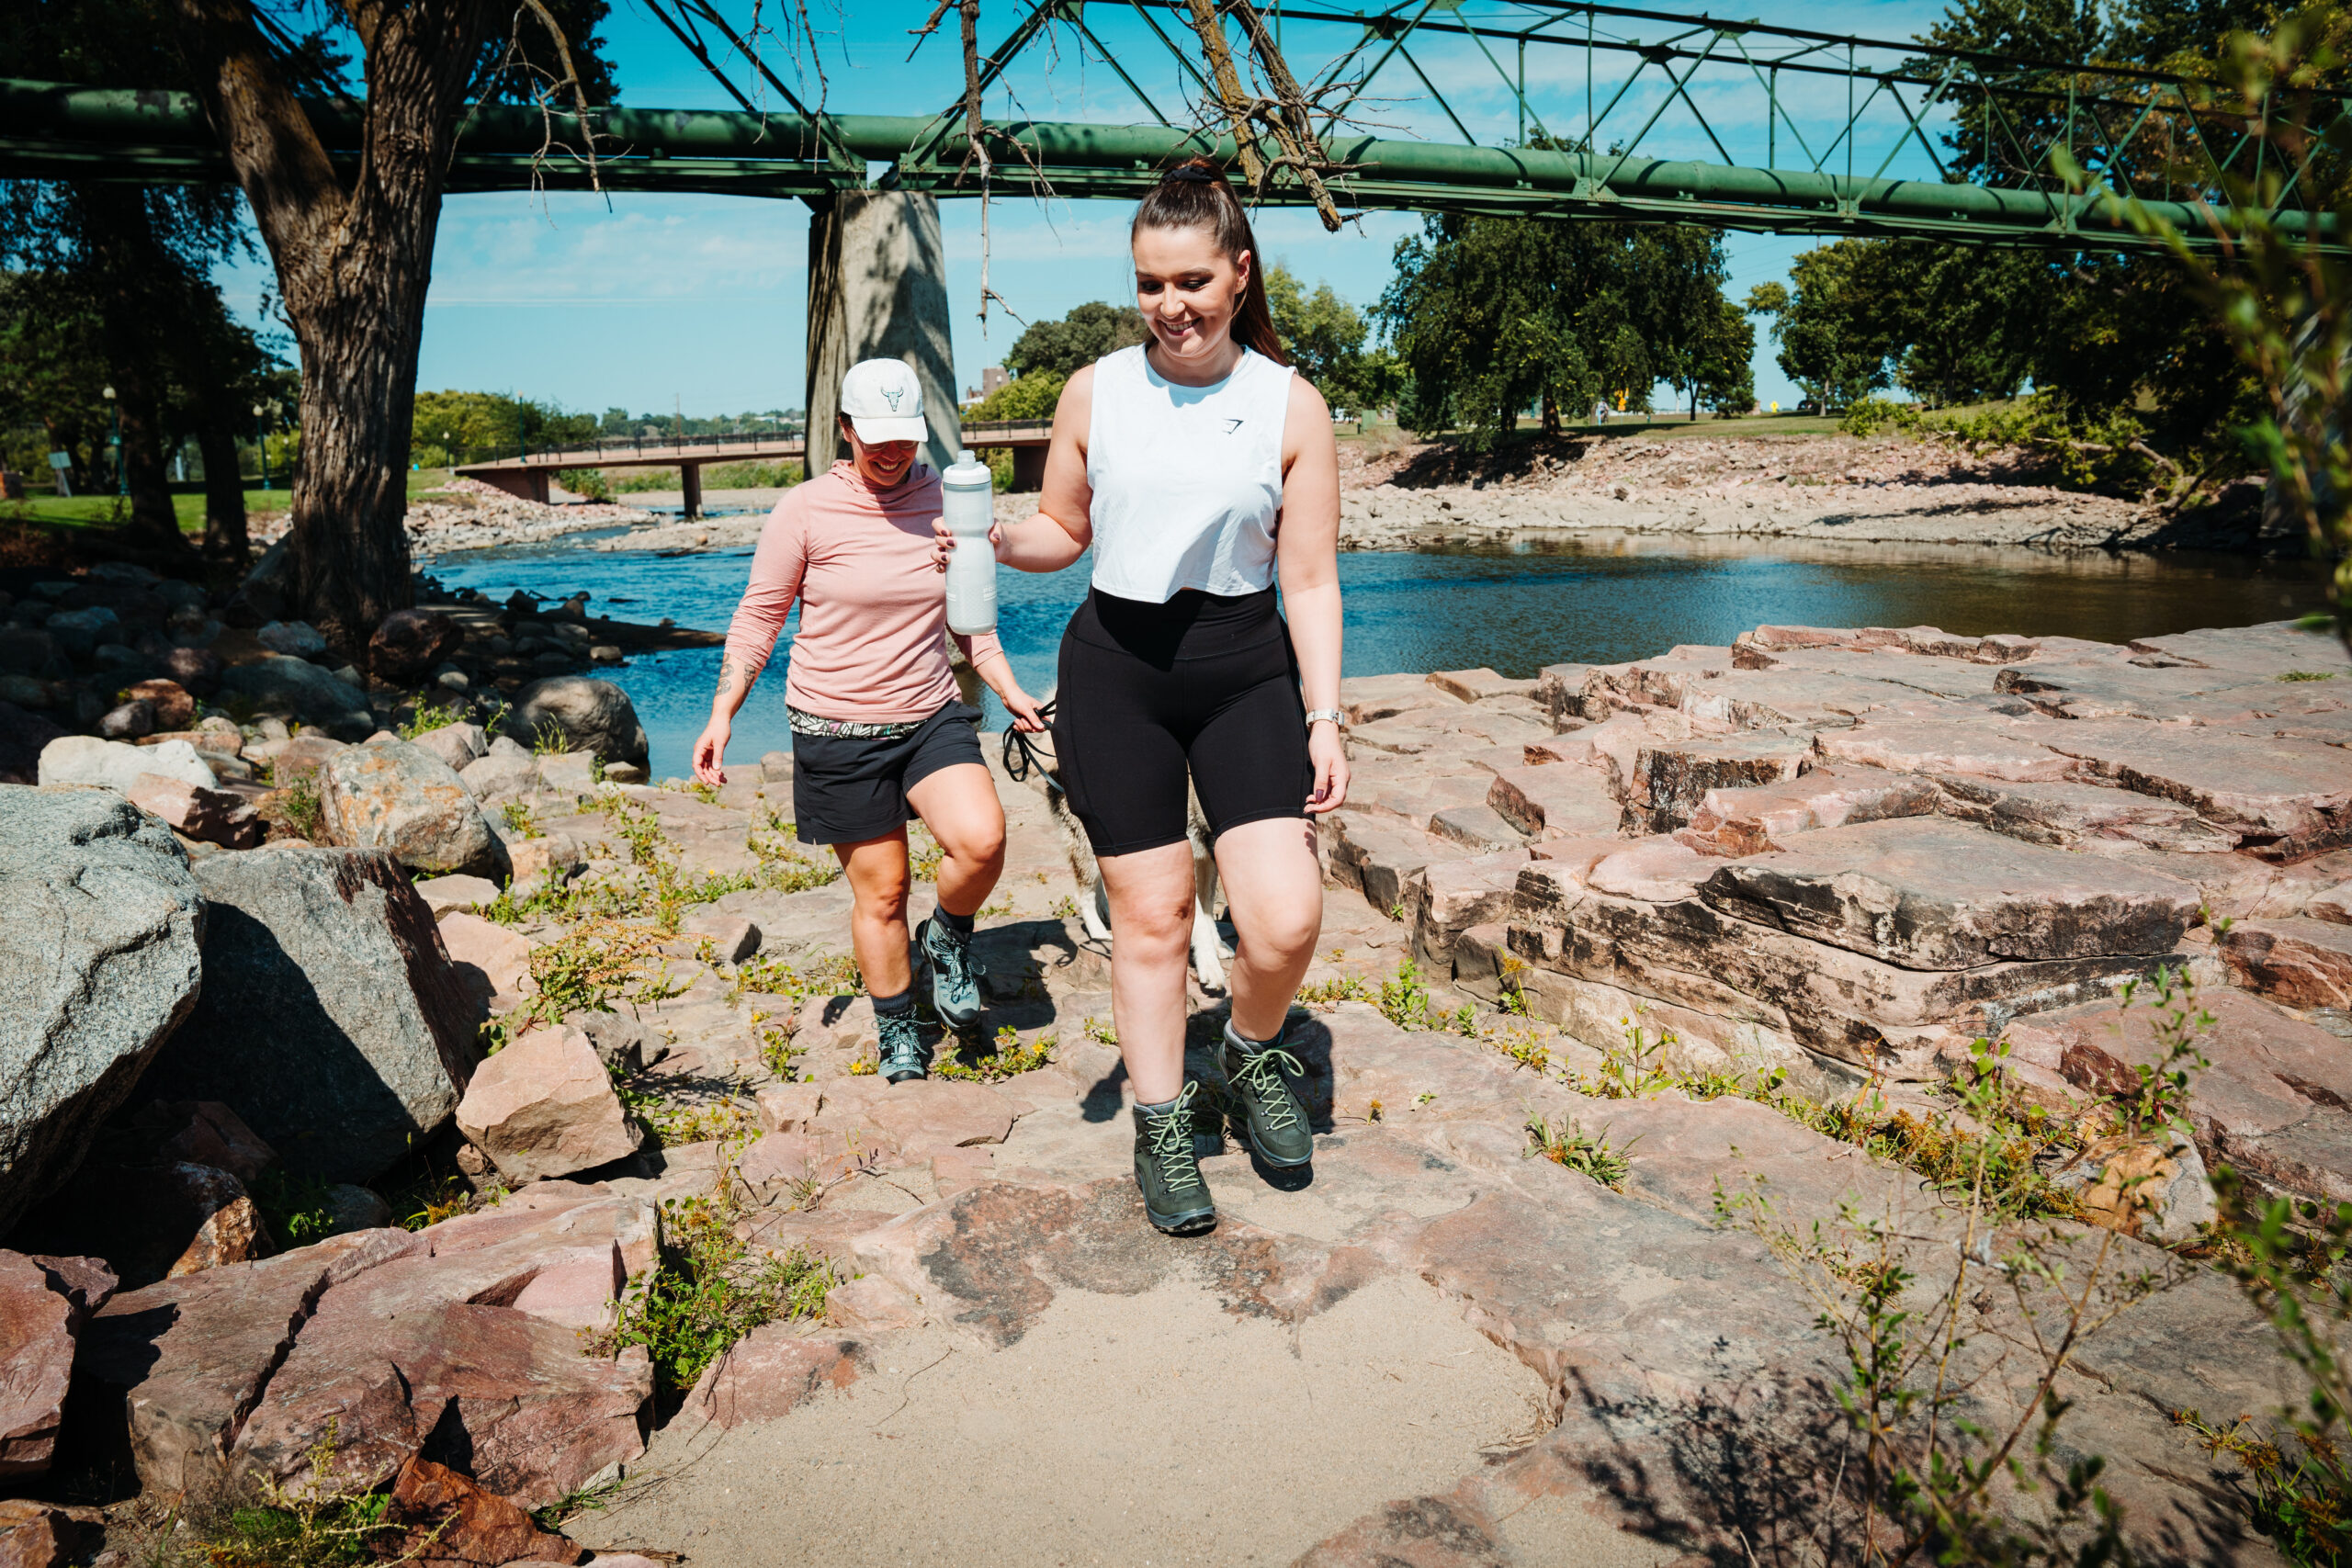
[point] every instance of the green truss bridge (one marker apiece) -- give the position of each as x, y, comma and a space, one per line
1803, 132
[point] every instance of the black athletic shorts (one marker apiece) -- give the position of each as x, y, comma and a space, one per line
848, 788
1204, 683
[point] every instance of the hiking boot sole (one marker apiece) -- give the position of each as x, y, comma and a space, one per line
1188, 1222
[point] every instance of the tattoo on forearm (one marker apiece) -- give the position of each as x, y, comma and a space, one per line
732, 674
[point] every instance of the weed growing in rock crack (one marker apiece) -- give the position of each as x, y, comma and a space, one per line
299, 1209
2306, 675
427, 717
434, 1197
548, 740
1578, 1150
777, 1052
298, 804
571, 1504
835, 974
707, 1291
1009, 1058
1064, 907
328, 1519
1100, 1030
583, 970
1512, 999
1345, 989
706, 793
521, 820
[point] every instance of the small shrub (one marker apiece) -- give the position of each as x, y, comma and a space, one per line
707, 1291
521, 820
298, 1209
1009, 1058
1572, 1147
426, 718
548, 740
299, 805
588, 482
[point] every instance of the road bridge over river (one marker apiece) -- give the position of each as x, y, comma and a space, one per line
528, 473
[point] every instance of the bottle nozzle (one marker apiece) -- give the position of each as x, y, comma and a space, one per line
967, 456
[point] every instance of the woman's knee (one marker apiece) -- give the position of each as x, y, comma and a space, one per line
1285, 923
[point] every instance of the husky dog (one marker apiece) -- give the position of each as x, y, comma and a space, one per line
1030, 759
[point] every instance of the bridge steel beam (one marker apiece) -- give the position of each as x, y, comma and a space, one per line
53, 132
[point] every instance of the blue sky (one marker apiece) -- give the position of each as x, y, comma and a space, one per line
651, 301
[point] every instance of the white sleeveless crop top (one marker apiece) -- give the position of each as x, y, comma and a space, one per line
1187, 480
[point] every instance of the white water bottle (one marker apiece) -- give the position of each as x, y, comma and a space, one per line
967, 500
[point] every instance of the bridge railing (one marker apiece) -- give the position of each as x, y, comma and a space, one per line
587, 455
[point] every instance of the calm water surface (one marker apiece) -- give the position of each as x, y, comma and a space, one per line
1595, 599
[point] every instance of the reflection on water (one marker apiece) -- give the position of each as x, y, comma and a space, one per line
1595, 599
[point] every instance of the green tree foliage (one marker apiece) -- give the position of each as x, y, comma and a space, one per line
1720, 371
466, 428
1325, 337
1083, 336
1024, 396
1492, 315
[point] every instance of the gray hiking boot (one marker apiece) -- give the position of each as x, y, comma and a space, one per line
1265, 1110
955, 977
904, 1056
1175, 1198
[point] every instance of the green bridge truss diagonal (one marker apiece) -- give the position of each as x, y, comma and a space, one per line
2168, 141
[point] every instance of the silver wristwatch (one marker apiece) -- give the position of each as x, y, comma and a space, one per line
1331, 714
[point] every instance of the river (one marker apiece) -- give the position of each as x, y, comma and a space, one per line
1591, 599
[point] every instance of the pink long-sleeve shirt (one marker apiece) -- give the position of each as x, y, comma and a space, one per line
873, 607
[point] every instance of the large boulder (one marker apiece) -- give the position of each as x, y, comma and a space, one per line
100, 929
545, 1106
116, 765
589, 714
408, 643
296, 688
331, 1022
396, 795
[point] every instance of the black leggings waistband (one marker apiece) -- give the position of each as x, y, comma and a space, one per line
1192, 624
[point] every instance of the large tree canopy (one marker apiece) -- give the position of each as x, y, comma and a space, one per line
1494, 315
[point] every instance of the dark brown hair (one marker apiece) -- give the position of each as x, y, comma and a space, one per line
1194, 195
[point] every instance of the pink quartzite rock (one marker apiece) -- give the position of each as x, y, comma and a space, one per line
454, 1523
1555, 801
1927, 894
544, 1107
2335, 905
42, 1305
440, 1354
1980, 746
206, 1132
215, 816
2286, 799
787, 1108
1747, 821
42, 1535
2305, 964
2080, 814
191, 1357
489, 958
770, 1371
1672, 778
1656, 871
1453, 895
915, 1117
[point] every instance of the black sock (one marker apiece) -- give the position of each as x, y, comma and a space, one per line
903, 1002
962, 924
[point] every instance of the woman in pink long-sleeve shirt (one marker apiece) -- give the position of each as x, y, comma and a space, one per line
877, 729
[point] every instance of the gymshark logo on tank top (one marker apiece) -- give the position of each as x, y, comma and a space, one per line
1231, 425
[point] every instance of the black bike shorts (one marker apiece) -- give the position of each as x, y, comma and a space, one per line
847, 789
1205, 684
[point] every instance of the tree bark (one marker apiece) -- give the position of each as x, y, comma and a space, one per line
225, 487
129, 268
353, 266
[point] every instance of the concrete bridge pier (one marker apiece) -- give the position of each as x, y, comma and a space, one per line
877, 289
690, 482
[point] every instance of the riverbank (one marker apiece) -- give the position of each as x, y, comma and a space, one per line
1404, 496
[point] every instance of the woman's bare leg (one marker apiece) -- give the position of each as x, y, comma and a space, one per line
1273, 888
1151, 892
960, 808
877, 869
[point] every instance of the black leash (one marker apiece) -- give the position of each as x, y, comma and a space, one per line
1021, 755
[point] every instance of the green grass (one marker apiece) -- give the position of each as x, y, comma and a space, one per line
105, 510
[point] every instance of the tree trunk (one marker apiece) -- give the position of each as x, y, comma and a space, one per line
133, 272
352, 267
224, 487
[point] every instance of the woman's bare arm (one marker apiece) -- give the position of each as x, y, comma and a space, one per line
1306, 555
1059, 532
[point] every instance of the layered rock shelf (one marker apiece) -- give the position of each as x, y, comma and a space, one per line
1606, 902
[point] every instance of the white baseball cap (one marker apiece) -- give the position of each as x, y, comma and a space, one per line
884, 400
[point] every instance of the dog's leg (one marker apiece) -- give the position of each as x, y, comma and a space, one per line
1208, 954
1094, 913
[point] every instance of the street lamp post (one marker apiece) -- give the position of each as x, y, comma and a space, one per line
114, 413
261, 443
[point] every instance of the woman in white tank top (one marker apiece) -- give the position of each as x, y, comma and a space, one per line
1202, 472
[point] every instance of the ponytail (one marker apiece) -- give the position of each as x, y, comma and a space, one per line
1194, 195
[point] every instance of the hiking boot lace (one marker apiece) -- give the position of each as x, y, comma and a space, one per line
1261, 1075
901, 1043
1171, 1144
951, 950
